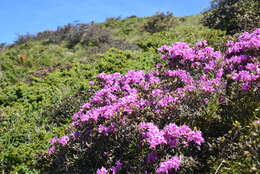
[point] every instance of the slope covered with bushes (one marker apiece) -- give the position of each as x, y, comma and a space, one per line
47, 77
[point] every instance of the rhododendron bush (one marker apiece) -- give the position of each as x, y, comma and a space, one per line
163, 120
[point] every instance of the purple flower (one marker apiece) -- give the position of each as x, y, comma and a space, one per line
51, 150
75, 135
91, 83
151, 157
245, 86
202, 43
257, 121
103, 170
105, 130
171, 164
196, 137
206, 100
173, 134
165, 101
117, 167
252, 67
164, 48
152, 134
64, 140
219, 73
54, 140
222, 99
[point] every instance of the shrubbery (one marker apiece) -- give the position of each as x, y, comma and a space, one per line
149, 122
34, 111
44, 80
17, 63
190, 34
2, 46
238, 150
159, 22
90, 36
233, 15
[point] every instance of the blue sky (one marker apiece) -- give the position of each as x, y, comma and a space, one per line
32, 16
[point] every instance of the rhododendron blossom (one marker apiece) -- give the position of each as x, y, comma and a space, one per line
169, 165
171, 135
103, 170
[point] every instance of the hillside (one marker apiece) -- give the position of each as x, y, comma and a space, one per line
45, 78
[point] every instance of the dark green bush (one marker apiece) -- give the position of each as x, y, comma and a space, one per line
159, 22
24, 38
233, 15
190, 34
94, 35
116, 60
18, 63
111, 22
238, 150
59, 113
2, 46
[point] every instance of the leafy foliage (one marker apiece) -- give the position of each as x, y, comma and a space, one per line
187, 33
238, 150
234, 16
159, 22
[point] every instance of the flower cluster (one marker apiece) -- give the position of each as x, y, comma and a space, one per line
171, 135
153, 135
169, 165
55, 140
246, 41
242, 60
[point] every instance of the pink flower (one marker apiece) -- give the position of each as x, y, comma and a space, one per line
102, 171
54, 140
117, 167
257, 122
152, 134
91, 83
171, 164
51, 150
202, 43
206, 100
64, 140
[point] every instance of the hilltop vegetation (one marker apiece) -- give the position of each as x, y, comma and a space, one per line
233, 16
46, 78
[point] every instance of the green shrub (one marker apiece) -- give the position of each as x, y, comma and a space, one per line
2, 46
32, 113
238, 150
116, 60
24, 125
233, 15
159, 22
188, 33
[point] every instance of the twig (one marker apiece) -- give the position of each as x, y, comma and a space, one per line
219, 166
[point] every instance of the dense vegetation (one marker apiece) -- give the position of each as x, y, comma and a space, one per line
48, 77
233, 15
